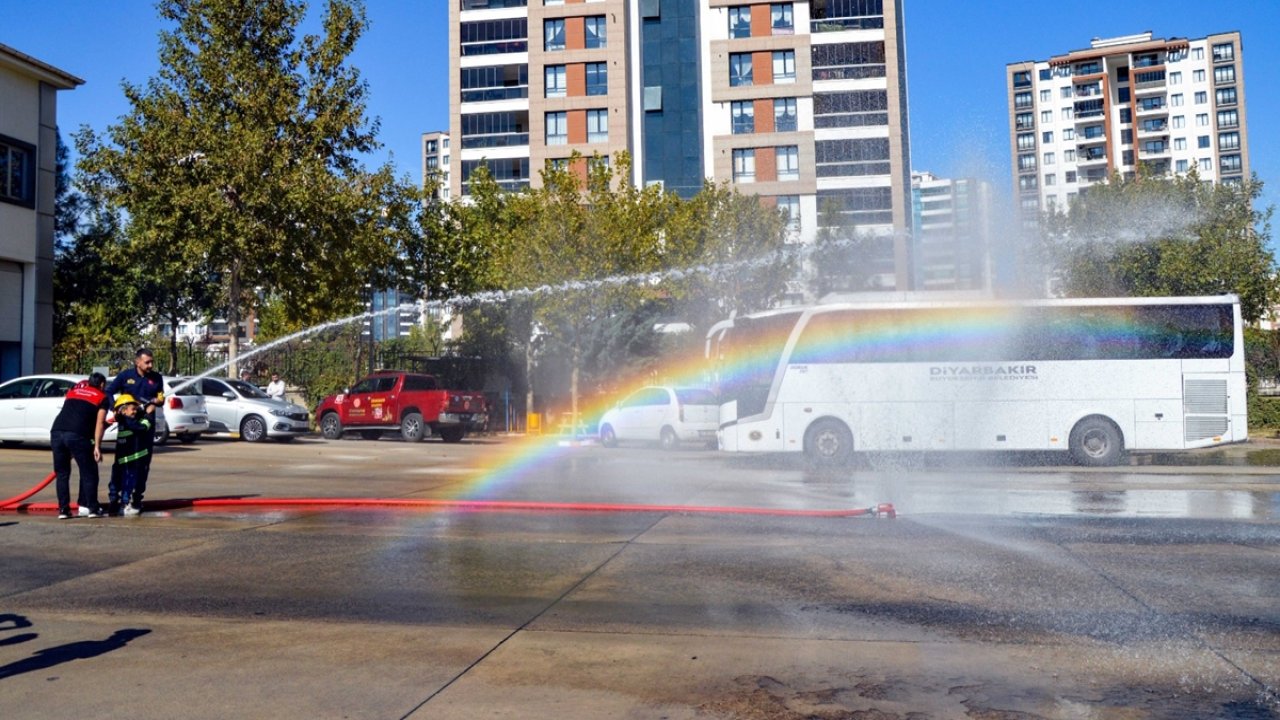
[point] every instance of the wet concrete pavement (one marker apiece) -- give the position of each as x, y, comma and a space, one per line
1001, 591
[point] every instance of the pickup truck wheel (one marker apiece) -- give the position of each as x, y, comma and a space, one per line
452, 435
411, 428
331, 426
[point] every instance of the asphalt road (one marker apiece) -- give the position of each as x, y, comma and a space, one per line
1017, 589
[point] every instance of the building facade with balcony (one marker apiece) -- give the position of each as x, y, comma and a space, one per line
800, 103
951, 233
28, 170
435, 162
1125, 104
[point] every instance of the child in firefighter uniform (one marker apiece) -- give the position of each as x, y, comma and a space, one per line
132, 449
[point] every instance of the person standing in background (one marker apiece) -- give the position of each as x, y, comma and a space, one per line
77, 433
275, 388
147, 388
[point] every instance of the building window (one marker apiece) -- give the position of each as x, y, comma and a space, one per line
1228, 118
553, 34
785, 115
432, 145
17, 172
1026, 141
1068, 156
744, 165
1225, 96
1202, 97
1202, 120
740, 22
790, 204
557, 128
781, 19
1045, 74
554, 77
1068, 113
789, 163
1175, 78
1197, 53
1050, 179
1176, 100
1224, 74
1046, 117
1179, 121
1230, 163
739, 69
1228, 141
492, 37
1179, 143
1048, 158
1047, 137
1206, 164
1022, 101
1046, 95
1064, 93
1068, 133
784, 66
1126, 115
1070, 176
1225, 52
597, 79
1024, 121
1026, 161
597, 32
744, 116
1202, 141
1180, 166
597, 126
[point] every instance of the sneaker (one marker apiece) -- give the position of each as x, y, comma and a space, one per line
132, 510
98, 513
84, 511
64, 514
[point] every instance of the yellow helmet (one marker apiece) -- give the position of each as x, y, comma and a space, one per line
125, 399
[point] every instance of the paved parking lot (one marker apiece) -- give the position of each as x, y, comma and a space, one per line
999, 592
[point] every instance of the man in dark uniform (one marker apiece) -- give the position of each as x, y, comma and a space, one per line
77, 433
147, 387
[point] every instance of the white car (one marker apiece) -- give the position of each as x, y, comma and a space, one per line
184, 413
665, 415
28, 406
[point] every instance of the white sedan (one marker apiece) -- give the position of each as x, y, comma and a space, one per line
28, 406
665, 415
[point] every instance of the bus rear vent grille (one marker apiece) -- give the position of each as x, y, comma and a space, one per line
1200, 428
1204, 397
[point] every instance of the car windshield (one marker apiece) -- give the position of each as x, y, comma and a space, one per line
696, 396
246, 390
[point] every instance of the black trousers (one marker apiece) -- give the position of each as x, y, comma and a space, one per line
68, 446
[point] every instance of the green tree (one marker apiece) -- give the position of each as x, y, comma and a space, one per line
841, 259
1153, 236
239, 163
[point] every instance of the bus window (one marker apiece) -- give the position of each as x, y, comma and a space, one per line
750, 352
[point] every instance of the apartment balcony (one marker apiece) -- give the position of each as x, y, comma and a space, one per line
1090, 135
1149, 81
1088, 157
1153, 151
1152, 107
1093, 175
1151, 130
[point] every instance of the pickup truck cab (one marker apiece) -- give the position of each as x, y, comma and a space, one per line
413, 403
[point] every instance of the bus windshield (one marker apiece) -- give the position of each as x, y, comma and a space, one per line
749, 356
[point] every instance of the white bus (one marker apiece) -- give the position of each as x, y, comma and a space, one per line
1095, 376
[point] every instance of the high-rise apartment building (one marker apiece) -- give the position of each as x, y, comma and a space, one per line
1166, 106
435, 162
801, 103
951, 233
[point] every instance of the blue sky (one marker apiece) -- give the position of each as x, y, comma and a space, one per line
956, 55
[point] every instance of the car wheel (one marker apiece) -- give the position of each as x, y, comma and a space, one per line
162, 438
1096, 442
452, 435
331, 426
828, 443
608, 437
253, 429
411, 428
370, 434
187, 438
667, 440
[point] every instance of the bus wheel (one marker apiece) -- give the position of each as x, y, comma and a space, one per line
1096, 442
828, 443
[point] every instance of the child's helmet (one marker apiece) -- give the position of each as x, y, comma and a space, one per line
125, 399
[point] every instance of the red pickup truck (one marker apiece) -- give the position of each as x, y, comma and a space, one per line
413, 403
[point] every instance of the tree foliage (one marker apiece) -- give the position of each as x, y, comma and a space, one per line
1155, 236
238, 163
